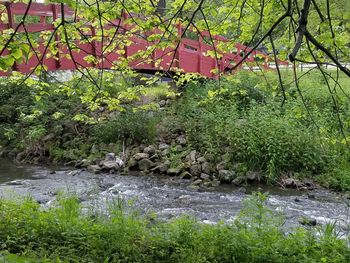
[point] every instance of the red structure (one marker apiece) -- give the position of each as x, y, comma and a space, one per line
189, 55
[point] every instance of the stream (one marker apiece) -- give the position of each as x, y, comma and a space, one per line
168, 197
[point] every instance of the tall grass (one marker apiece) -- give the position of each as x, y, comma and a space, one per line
63, 233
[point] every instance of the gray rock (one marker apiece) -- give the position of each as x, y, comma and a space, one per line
205, 176
238, 181
96, 169
226, 176
201, 160
221, 166
206, 167
181, 140
150, 150
110, 157
174, 171
162, 103
163, 146
197, 182
252, 176
215, 183
161, 168
109, 165
196, 169
145, 164
139, 156
82, 163
165, 152
193, 155
186, 175
291, 183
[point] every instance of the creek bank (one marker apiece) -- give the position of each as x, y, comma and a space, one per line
172, 156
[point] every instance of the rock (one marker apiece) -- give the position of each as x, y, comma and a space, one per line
215, 183
165, 152
110, 157
150, 150
163, 146
308, 221
132, 163
205, 176
291, 183
226, 176
82, 164
174, 171
206, 167
252, 176
110, 165
242, 190
161, 168
221, 166
181, 140
297, 200
311, 196
145, 164
139, 156
96, 169
196, 169
191, 156
238, 181
197, 182
201, 160
119, 161
162, 103
186, 175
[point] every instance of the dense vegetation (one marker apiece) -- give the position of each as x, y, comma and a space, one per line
240, 122
63, 233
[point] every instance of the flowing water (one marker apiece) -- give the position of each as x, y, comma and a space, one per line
168, 197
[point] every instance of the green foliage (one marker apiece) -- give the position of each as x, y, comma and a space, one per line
134, 127
244, 120
63, 233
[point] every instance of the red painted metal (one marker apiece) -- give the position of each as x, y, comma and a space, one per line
189, 57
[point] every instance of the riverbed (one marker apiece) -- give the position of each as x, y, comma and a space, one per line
168, 197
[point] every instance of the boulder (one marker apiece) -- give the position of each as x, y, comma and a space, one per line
226, 176
161, 168
221, 166
96, 169
145, 164
201, 160
110, 157
139, 156
197, 182
238, 181
181, 140
162, 103
196, 169
205, 176
163, 146
206, 167
252, 176
185, 175
174, 171
150, 150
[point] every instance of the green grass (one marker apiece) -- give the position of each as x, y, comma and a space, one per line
63, 233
